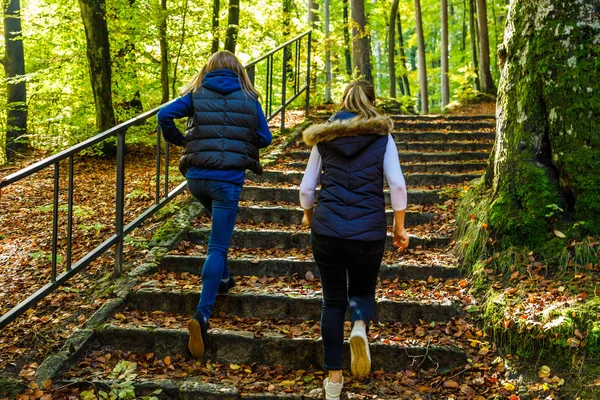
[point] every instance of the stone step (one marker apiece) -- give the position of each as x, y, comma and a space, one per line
443, 136
464, 118
295, 177
444, 146
274, 267
257, 304
291, 195
279, 239
416, 157
239, 347
444, 125
293, 216
453, 167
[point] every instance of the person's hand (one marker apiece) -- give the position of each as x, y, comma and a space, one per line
307, 218
401, 238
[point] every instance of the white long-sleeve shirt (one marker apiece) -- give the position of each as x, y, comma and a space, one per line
391, 169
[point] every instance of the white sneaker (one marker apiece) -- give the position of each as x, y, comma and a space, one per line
332, 390
359, 351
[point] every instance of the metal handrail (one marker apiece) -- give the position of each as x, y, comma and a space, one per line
122, 230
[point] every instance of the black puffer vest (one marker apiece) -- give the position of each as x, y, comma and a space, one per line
351, 203
222, 133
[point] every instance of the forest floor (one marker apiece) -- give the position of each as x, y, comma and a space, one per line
25, 245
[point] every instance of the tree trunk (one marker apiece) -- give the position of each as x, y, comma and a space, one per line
313, 14
403, 57
473, 36
422, 60
14, 66
445, 82
391, 48
327, 54
233, 21
93, 13
361, 47
164, 52
176, 66
215, 26
487, 82
347, 49
547, 156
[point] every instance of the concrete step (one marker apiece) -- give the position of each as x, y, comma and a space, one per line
451, 167
279, 239
463, 118
295, 177
444, 146
293, 216
291, 195
444, 125
239, 347
255, 304
273, 267
443, 136
416, 157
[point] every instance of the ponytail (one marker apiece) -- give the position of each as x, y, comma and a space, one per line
359, 98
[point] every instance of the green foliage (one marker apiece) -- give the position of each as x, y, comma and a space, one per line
124, 373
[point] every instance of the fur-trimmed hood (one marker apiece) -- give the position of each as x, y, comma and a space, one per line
323, 133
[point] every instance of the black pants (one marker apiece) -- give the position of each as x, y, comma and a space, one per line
349, 270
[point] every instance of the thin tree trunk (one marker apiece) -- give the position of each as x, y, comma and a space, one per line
347, 50
403, 57
361, 48
313, 14
422, 60
487, 82
233, 21
378, 66
185, 11
495, 38
164, 52
327, 54
14, 66
215, 26
473, 34
391, 48
93, 13
463, 42
445, 82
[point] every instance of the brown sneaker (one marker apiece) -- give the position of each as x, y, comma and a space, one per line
198, 341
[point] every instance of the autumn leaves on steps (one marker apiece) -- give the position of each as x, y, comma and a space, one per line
268, 325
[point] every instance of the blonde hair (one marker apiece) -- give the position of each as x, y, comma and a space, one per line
221, 60
359, 98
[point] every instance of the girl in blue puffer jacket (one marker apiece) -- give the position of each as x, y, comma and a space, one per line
225, 129
351, 154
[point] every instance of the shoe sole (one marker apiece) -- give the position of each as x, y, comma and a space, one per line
195, 343
361, 364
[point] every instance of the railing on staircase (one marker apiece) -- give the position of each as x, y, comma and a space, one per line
295, 67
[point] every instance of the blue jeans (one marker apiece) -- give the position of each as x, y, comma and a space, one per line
220, 199
349, 270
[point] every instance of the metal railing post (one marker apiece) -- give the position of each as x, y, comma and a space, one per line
55, 221
157, 180
308, 49
167, 156
70, 216
283, 87
252, 73
120, 202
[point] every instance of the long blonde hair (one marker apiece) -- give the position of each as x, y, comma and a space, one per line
221, 60
359, 98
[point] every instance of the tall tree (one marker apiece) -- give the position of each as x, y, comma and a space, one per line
327, 54
233, 22
473, 35
312, 17
405, 83
182, 41
164, 52
361, 47
422, 59
93, 13
391, 48
347, 50
487, 82
215, 26
445, 82
14, 66
546, 153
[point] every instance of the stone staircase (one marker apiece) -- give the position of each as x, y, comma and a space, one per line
265, 337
